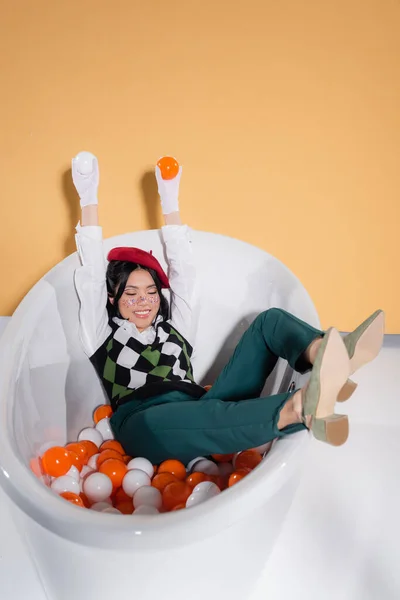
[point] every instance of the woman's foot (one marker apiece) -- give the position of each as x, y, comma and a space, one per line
318, 398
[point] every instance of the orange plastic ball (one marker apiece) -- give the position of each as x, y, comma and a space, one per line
175, 493
73, 498
126, 458
126, 508
224, 482
56, 461
173, 466
161, 480
237, 476
222, 458
112, 445
106, 455
90, 447
102, 412
196, 478
35, 465
80, 450
155, 467
179, 507
85, 500
119, 496
221, 482
169, 167
248, 459
76, 460
115, 469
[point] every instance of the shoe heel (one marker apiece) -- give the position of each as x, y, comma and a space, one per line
333, 430
347, 390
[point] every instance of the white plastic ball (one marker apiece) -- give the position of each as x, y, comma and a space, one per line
92, 435
101, 506
147, 496
206, 466
208, 488
146, 510
65, 484
112, 510
202, 492
104, 427
85, 162
74, 473
142, 464
97, 487
46, 446
190, 465
86, 470
92, 462
194, 499
134, 480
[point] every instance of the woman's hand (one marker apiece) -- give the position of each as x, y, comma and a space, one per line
169, 191
85, 175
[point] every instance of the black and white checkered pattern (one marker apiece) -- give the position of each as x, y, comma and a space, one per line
125, 364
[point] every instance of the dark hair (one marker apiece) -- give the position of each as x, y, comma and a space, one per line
117, 276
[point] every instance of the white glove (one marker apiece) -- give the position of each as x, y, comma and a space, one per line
86, 182
169, 191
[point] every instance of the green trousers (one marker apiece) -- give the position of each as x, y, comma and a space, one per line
231, 416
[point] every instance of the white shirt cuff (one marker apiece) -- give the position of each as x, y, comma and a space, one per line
94, 232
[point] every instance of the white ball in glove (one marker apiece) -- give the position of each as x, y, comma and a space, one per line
84, 162
85, 175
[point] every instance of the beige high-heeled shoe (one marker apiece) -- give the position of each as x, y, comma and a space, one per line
330, 371
363, 345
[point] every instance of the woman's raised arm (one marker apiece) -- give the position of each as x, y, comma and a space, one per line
90, 277
178, 246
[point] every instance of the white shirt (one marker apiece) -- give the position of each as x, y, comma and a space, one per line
90, 284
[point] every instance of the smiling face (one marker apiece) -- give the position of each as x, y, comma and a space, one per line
140, 301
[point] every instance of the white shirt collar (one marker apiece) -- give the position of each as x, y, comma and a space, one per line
134, 330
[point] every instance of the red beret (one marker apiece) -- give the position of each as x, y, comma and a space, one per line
140, 257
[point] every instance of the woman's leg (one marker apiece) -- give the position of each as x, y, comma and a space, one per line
217, 426
187, 429
274, 333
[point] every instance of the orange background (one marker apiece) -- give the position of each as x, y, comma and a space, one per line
285, 115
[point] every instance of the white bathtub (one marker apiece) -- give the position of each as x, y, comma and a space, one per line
48, 392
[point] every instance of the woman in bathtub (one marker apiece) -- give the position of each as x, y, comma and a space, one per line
141, 348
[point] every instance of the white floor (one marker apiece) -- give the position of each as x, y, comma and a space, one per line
341, 539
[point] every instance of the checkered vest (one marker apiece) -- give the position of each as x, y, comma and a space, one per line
132, 370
